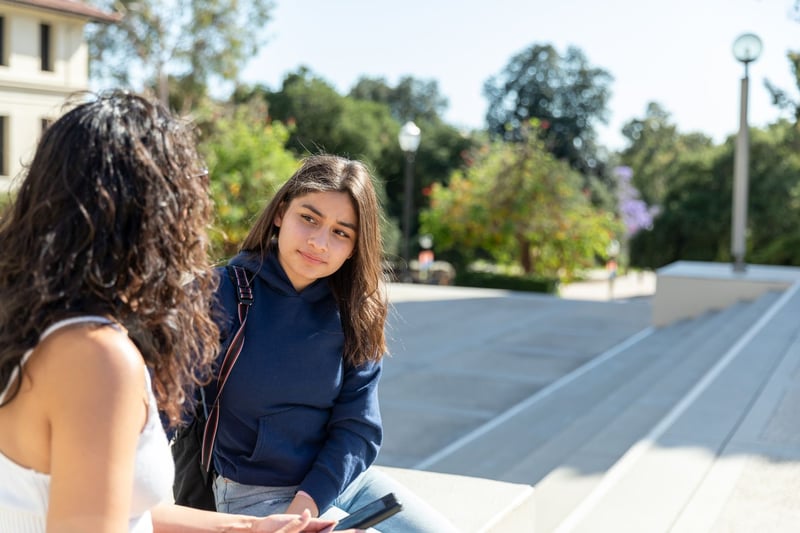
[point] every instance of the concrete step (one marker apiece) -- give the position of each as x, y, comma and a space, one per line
668, 480
586, 426
604, 390
754, 482
474, 505
586, 450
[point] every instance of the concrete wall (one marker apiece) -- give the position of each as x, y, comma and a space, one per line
687, 289
28, 94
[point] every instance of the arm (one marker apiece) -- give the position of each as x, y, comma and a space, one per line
93, 392
354, 437
303, 502
93, 395
177, 519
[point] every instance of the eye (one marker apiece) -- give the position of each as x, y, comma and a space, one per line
342, 233
307, 218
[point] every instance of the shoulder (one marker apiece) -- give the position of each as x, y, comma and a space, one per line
226, 289
88, 361
88, 388
103, 347
225, 294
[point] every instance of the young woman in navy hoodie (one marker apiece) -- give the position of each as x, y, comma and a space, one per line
299, 418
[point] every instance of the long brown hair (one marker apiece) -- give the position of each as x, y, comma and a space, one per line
111, 219
358, 284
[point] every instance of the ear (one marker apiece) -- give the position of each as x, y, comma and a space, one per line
278, 220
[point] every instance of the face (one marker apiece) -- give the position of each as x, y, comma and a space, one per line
318, 233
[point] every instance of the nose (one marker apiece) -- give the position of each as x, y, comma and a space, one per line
319, 239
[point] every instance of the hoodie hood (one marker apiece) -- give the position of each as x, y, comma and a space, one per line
271, 272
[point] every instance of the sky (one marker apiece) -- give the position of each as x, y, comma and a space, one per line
674, 52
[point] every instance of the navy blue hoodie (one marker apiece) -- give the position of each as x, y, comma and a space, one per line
293, 413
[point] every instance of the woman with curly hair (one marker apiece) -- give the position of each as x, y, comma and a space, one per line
105, 289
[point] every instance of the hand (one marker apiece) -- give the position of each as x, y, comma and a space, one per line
287, 523
301, 502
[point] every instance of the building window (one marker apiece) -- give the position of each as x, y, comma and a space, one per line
3, 145
3, 50
45, 46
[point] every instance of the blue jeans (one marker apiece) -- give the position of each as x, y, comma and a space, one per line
416, 517
252, 500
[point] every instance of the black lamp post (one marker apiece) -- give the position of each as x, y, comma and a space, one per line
746, 48
409, 142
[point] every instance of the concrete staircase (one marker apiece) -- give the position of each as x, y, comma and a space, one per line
658, 433
681, 474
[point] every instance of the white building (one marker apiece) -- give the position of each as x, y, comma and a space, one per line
43, 59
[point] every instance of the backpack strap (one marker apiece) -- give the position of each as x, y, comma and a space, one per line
244, 297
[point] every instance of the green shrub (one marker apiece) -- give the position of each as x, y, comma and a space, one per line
491, 280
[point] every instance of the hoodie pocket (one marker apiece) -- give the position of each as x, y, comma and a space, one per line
289, 441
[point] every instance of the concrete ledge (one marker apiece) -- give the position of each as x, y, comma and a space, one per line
687, 289
474, 505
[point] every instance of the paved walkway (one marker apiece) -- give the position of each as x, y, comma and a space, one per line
463, 356
599, 288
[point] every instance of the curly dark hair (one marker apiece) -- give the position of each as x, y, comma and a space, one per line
111, 219
359, 284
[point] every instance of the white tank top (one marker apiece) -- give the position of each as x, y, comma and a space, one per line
24, 493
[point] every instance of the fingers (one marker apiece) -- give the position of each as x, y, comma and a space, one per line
297, 524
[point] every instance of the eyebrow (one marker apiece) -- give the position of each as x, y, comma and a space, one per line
319, 214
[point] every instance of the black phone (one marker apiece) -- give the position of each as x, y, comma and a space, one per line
371, 514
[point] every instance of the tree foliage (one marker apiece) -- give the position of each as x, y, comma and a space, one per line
247, 162
177, 47
442, 147
695, 219
654, 147
522, 206
565, 93
781, 97
324, 120
411, 99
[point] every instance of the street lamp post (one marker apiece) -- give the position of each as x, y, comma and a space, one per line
409, 142
746, 48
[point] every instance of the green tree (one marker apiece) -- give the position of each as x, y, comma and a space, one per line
781, 97
247, 162
695, 219
654, 147
441, 151
774, 200
6, 199
523, 207
411, 99
442, 148
565, 93
177, 47
324, 120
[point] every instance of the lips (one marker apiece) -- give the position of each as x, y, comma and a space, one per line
311, 258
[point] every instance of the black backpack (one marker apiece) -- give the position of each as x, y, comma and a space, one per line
193, 444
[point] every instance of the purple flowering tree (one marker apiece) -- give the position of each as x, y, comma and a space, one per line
635, 213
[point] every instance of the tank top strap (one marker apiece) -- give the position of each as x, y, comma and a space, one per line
85, 319
52, 328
